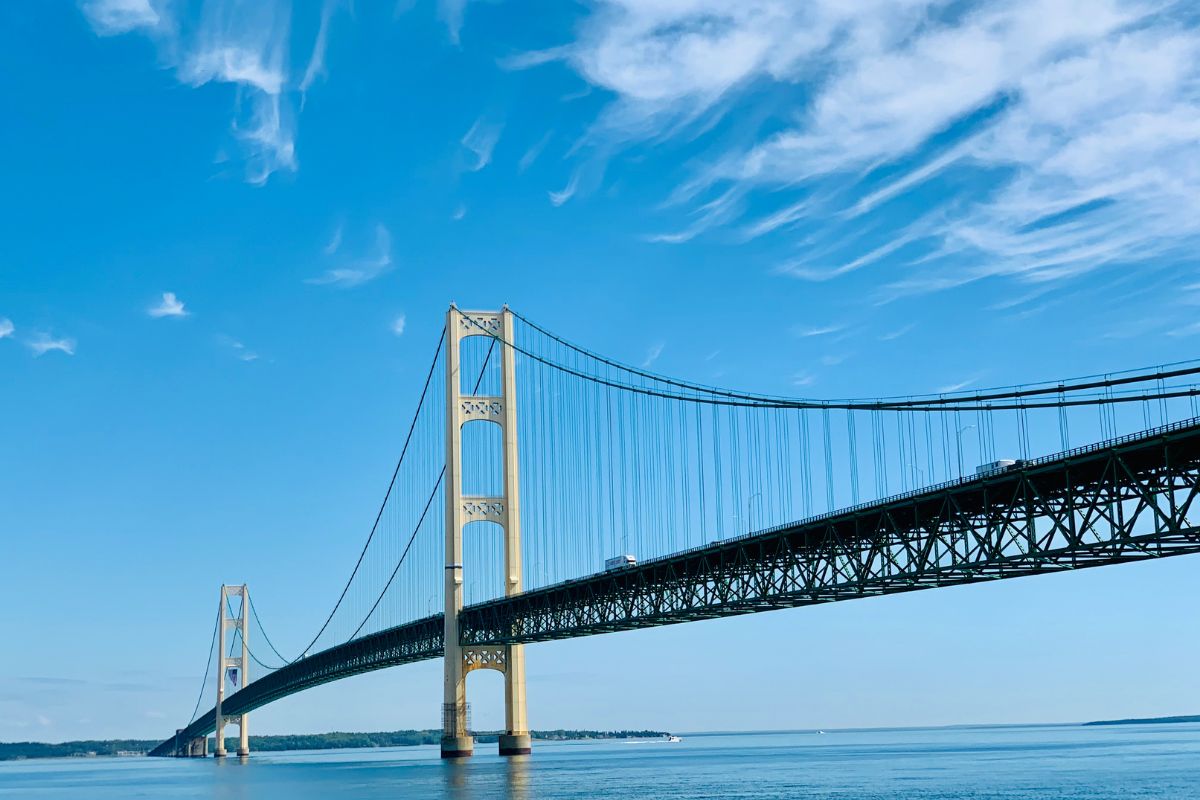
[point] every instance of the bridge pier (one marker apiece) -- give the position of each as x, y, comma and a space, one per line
190, 748
460, 511
515, 744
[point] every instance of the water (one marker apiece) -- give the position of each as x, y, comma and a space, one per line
1048, 763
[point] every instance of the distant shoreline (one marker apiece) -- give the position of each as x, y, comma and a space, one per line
1148, 720
103, 748
10, 751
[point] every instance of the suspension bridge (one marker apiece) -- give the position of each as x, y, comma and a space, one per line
545, 491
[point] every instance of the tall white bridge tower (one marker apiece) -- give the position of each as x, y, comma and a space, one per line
233, 668
461, 510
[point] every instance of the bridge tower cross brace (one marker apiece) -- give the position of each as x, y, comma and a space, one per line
461, 510
239, 662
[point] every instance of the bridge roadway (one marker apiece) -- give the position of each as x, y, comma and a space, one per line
1122, 500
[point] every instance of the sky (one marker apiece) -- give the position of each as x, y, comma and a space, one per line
229, 231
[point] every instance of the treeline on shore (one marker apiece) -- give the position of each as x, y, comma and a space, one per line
316, 741
1147, 720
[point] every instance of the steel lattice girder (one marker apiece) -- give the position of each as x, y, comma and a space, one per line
1108, 504
403, 644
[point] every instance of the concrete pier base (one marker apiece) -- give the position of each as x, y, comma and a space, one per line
515, 744
457, 746
196, 748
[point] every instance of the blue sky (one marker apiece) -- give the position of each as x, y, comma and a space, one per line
231, 230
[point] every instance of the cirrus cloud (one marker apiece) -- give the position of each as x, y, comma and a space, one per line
1026, 140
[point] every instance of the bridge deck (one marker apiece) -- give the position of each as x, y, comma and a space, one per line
1123, 500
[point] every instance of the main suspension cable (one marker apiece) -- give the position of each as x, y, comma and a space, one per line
428, 503
975, 402
391, 484
1080, 383
208, 662
266, 638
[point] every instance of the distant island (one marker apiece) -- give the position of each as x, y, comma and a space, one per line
318, 741
1147, 720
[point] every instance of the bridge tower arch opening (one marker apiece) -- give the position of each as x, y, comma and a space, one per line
233, 670
501, 508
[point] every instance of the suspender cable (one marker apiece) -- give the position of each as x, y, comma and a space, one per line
424, 391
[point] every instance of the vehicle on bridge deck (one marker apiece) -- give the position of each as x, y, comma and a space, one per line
1003, 465
619, 562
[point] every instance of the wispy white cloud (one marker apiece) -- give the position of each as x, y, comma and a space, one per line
111, 17
802, 267
824, 330
481, 140
567, 192
1066, 131
240, 351
43, 343
399, 324
452, 13
246, 44
779, 219
533, 152
897, 333
1185, 330
957, 387
6, 327
803, 378
652, 354
168, 306
912, 178
459, 212
715, 212
241, 43
335, 241
361, 270
316, 61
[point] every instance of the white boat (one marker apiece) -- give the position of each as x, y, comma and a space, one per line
672, 739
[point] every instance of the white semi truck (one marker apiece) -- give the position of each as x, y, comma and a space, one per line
619, 562
1003, 465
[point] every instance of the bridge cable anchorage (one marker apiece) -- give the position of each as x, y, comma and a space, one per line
383, 505
940, 402
428, 503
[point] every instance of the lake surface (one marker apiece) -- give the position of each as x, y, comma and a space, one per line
1136, 761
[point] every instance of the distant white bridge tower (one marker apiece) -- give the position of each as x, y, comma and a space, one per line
235, 669
462, 510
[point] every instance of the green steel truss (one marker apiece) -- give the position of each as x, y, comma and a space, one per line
403, 644
1123, 500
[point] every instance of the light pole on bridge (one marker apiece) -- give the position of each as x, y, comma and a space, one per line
958, 438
